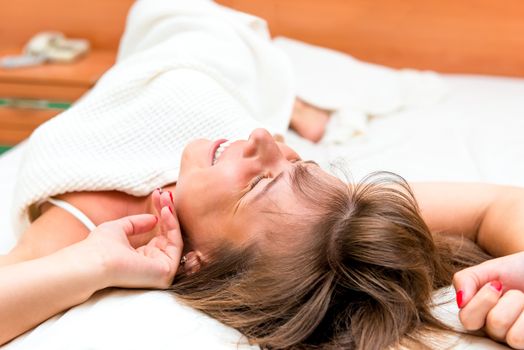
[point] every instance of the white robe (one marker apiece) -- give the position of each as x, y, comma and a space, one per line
186, 69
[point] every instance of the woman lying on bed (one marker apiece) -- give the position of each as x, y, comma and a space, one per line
271, 245
281, 250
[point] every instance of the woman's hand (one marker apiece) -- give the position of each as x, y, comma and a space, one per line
34, 290
152, 265
490, 295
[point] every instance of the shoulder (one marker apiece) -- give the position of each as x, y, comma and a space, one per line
55, 228
98, 206
456, 207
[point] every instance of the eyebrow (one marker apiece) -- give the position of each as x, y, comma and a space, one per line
280, 176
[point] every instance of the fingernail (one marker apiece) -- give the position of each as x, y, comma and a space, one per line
460, 294
496, 285
171, 196
170, 209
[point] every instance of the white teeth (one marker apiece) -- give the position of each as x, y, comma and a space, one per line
220, 150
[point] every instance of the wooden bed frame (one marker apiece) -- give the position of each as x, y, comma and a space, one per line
451, 36
459, 36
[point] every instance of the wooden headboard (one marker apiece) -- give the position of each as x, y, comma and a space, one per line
461, 36
454, 36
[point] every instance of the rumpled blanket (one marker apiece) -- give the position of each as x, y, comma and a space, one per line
355, 91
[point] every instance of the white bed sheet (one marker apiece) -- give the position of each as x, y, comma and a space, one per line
474, 134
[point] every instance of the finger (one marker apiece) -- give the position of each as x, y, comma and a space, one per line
468, 281
473, 315
132, 225
515, 336
166, 261
171, 197
165, 213
161, 242
171, 227
155, 197
173, 252
168, 219
504, 314
156, 253
165, 200
150, 247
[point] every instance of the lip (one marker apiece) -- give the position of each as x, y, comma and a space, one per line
214, 148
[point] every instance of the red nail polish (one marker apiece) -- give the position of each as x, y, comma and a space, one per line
460, 294
496, 285
171, 196
170, 209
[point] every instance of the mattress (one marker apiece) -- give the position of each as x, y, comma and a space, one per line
472, 134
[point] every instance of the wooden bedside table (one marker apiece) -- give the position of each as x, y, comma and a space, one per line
29, 96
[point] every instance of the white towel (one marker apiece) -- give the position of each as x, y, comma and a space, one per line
187, 69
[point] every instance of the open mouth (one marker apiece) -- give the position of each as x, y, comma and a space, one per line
218, 148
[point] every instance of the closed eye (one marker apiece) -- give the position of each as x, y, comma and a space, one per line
256, 180
273, 182
259, 178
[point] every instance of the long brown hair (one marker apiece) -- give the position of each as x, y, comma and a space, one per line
358, 272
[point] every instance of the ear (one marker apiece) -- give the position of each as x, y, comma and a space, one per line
194, 261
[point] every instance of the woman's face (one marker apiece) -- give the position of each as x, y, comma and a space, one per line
228, 198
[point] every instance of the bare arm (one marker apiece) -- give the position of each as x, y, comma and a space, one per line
490, 215
32, 291
35, 290
53, 230
56, 228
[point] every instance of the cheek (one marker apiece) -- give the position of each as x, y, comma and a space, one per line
210, 193
201, 217
190, 213
201, 195
195, 155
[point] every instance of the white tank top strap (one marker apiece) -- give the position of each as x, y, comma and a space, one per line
71, 209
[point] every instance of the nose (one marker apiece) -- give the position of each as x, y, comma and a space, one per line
262, 145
